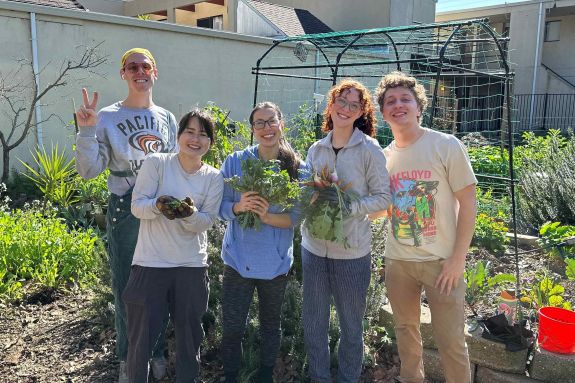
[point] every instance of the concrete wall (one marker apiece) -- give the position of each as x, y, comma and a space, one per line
558, 55
195, 65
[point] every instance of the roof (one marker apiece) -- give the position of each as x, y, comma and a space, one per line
291, 21
66, 4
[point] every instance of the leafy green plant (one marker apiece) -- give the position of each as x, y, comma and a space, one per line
38, 249
54, 176
489, 160
230, 136
570, 268
494, 206
479, 282
324, 218
490, 233
272, 184
545, 291
301, 129
94, 190
552, 238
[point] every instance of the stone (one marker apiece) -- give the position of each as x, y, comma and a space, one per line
487, 375
551, 367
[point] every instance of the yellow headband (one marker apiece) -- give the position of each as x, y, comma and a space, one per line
143, 51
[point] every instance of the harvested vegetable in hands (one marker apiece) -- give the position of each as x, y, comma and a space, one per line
272, 184
173, 208
326, 203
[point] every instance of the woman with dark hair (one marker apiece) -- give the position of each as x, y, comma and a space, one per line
331, 269
256, 259
169, 270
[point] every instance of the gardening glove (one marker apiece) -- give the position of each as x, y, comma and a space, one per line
163, 204
330, 194
185, 209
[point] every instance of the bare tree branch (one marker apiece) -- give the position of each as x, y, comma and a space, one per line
21, 111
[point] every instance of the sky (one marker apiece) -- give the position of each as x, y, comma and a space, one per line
453, 5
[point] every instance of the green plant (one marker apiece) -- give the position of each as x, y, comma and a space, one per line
37, 249
479, 282
54, 176
264, 178
490, 233
547, 179
545, 291
496, 206
570, 268
93, 191
552, 238
301, 129
489, 160
230, 136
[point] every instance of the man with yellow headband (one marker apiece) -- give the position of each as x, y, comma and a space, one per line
119, 137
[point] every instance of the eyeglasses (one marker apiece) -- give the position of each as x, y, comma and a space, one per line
260, 124
343, 103
135, 67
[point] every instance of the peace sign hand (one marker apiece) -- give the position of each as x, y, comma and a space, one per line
86, 114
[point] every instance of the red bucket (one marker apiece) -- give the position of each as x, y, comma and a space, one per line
557, 330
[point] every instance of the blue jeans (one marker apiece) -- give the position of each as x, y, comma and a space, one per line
347, 281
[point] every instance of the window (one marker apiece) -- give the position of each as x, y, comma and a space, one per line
214, 22
552, 29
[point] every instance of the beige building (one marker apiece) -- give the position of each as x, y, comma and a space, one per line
239, 15
540, 52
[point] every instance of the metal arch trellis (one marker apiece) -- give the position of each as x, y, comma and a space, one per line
462, 63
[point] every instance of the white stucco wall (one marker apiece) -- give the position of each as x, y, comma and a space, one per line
195, 65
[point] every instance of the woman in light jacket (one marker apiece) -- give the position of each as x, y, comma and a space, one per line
331, 269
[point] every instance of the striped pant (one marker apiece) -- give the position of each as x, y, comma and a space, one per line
347, 281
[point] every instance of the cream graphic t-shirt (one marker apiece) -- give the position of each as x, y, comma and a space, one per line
423, 211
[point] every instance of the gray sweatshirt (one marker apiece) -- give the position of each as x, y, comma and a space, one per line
362, 162
179, 242
121, 141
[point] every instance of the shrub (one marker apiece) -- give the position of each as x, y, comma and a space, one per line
552, 238
547, 180
37, 248
489, 160
230, 136
490, 233
54, 176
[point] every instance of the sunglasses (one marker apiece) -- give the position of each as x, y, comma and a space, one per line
135, 67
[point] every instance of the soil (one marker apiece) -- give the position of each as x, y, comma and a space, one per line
55, 337
52, 337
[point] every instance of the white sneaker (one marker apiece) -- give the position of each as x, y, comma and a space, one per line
159, 367
123, 377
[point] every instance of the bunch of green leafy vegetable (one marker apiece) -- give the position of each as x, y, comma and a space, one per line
324, 218
271, 183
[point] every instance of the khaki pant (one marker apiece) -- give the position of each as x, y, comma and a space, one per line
405, 281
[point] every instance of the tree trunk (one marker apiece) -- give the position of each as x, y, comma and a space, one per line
5, 164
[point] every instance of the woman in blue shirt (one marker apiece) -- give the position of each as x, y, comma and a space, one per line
256, 259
